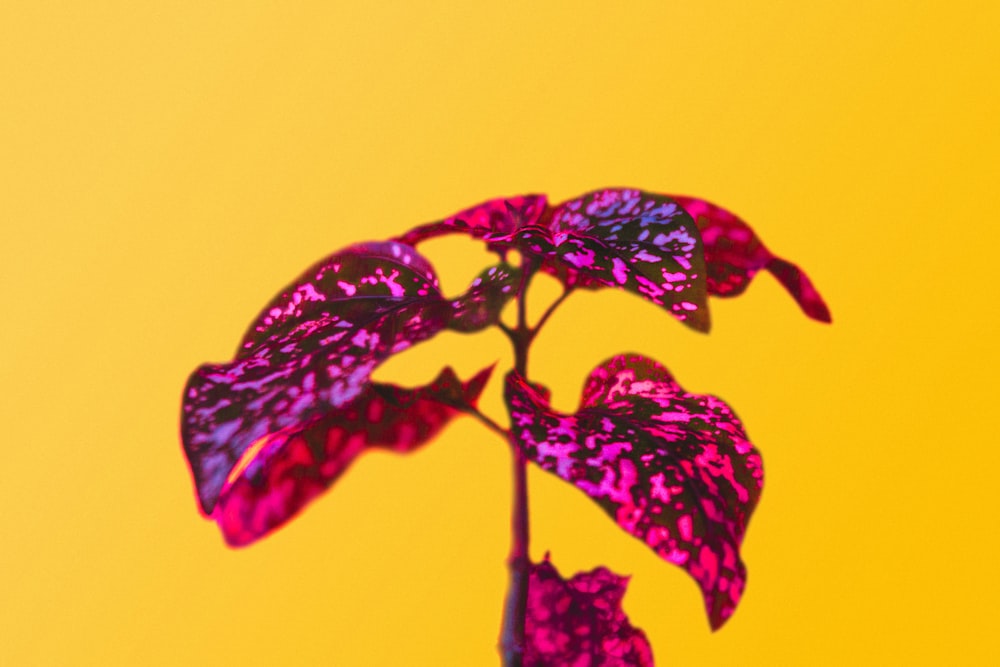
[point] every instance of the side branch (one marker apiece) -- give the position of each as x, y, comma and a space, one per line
488, 421
551, 309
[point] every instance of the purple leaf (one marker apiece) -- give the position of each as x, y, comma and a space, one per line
280, 473
580, 621
311, 352
672, 468
734, 254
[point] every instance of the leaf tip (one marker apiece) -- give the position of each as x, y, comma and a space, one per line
700, 320
797, 283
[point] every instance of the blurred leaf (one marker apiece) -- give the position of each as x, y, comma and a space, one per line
279, 474
309, 356
494, 219
580, 621
482, 304
734, 254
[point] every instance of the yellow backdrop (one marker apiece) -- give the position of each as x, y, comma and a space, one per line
165, 169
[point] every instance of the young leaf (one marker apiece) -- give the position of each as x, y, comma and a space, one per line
481, 306
638, 241
580, 621
280, 473
734, 255
311, 353
672, 468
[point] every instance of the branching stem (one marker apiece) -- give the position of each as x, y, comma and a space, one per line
487, 421
548, 312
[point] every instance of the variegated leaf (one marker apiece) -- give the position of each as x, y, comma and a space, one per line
734, 254
641, 242
482, 304
638, 241
311, 353
580, 621
672, 468
495, 219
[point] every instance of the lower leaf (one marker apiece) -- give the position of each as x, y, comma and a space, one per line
580, 621
280, 473
672, 468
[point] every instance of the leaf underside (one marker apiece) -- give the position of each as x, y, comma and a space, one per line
580, 621
673, 469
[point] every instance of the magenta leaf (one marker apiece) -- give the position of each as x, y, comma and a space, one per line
580, 621
494, 219
734, 254
310, 354
280, 473
672, 468
638, 241
360, 282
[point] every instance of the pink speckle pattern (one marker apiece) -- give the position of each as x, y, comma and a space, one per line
580, 622
638, 241
493, 219
671, 250
310, 354
672, 468
734, 255
481, 306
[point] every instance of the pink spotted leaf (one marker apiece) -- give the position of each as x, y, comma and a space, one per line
310, 354
482, 304
672, 468
637, 241
580, 621
734, 254
496, 219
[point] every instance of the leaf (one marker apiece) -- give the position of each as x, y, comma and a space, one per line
580, 621
280, 473
481, 306
638, 241
310, 353
497, 218
672, 468
734, 254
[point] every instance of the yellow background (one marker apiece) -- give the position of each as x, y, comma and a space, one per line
165, 168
